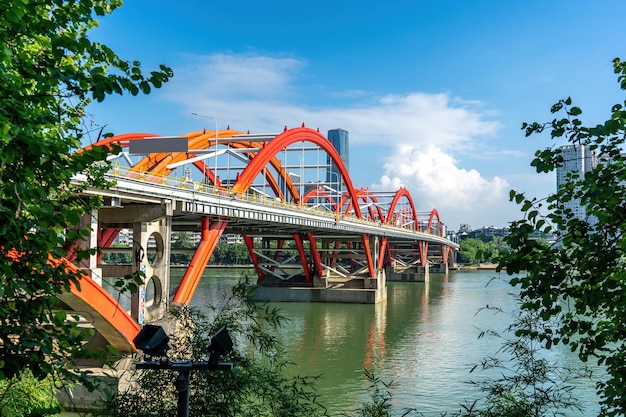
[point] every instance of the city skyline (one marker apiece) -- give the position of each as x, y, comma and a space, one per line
433, 94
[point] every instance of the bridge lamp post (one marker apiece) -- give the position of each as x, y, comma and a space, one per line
293, 174
338, 188
153, 341
217, 128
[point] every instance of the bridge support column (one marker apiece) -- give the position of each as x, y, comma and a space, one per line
151, 256
441, 268
320, 282
89, 222
408, 273
378, 283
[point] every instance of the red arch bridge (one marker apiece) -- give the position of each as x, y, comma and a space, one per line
311, 234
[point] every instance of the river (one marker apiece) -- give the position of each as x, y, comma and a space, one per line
424, 337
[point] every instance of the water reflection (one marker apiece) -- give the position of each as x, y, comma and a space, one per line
424, 337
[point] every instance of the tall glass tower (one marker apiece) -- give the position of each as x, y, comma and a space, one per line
339, 139
576, 159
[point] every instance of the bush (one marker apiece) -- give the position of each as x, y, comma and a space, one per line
258, 385
25, 395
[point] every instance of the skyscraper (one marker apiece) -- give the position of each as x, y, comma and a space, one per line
339, 139
576, 159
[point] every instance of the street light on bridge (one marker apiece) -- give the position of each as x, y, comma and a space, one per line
339, 187
293, 174
217, 128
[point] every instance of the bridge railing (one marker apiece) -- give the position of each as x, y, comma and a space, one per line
206, 188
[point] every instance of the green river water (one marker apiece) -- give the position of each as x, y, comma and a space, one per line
424, 337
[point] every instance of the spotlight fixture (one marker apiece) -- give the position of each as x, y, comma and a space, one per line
152, 340
221, 344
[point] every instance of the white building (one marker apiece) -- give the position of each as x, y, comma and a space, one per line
576, 159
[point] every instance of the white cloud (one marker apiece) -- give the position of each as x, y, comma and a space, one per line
223, 77
259, 93
435, 181
415, 118
420, 131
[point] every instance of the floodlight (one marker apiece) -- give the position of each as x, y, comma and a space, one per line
152, 340
221, 344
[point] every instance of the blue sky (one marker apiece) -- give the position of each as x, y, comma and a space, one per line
433, 93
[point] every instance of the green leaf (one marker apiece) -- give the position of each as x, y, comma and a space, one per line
582, 265
51, 70
575, 111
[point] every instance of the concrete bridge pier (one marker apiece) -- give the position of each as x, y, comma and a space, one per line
90, 265
411, 273
151, 256
320, 282
439, 268
152, 229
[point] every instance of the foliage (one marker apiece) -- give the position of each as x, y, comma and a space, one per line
117, 257
479, 249
181, 240
523, 382
579, 282
50, 72
259, 384
231, 254
379, 403
24, 395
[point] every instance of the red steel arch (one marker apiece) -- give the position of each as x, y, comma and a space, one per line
270, 152
445, 251
94, 303
402, 193
121, 140
323, 194
434, 214
273, 148
364, 195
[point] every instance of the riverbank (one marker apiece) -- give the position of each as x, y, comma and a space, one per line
475, 267
183, 266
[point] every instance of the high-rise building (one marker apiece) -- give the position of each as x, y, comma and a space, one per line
339, 139
576, 159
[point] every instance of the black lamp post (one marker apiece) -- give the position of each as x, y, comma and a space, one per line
152, 340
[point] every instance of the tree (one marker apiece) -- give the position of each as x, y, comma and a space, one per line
482, 248
258, 385
50, 71
520, 380
27, 396
579, 282
181, 240
471, 250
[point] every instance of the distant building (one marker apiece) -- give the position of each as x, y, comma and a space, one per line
491, 231
125, 237
577, 159
465, 228
231, 239
339, 139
